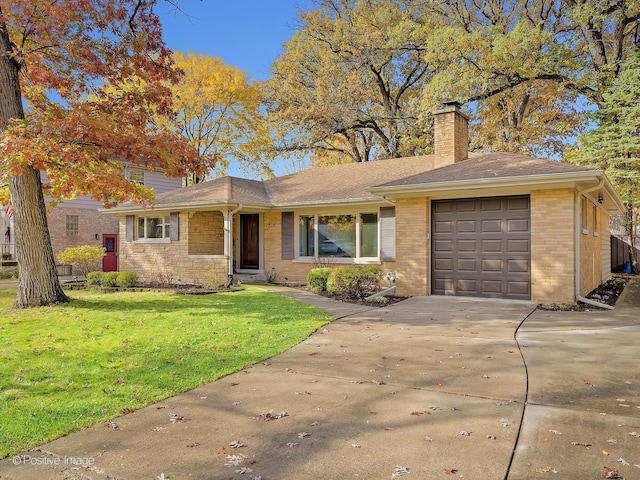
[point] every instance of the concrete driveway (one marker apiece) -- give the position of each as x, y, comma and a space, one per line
429, 388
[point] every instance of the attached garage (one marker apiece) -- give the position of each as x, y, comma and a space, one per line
481, 247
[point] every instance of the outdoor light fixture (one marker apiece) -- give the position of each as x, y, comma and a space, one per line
600, 198
96, 236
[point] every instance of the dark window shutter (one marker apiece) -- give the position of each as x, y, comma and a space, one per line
129, 225
287, 236
388, 234
174, 225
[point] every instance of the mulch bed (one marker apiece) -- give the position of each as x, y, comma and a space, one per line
390, 299
606, 293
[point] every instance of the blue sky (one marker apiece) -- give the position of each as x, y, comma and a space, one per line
247, 34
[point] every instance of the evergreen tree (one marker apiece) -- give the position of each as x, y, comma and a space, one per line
614, 145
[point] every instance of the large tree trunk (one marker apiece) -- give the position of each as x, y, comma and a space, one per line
38, 284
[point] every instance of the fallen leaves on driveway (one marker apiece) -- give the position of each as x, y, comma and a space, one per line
268, 416
399, 471
611, 473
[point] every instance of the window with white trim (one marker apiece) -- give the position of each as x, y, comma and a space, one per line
154, 227
583, 205
136, 175
341, 236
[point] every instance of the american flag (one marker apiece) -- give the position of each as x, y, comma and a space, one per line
9, 211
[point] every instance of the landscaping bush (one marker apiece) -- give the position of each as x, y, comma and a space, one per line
357, 282
317, 279
94, 278
110, 279
127, 279
84, 258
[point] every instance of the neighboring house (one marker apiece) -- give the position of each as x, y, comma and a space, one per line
495, 225
77, 222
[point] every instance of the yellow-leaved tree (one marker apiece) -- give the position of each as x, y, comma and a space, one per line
219, 113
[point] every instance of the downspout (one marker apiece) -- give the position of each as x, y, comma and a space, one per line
228, 230
578, 223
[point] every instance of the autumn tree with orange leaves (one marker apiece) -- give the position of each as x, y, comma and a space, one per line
92, 75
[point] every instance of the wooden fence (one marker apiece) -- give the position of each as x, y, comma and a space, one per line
620, 254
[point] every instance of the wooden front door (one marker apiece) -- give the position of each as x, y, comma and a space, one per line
110, 259
250, 241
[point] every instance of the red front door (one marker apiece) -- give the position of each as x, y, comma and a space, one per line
110, 259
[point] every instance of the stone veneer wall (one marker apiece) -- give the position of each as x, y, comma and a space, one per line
412, 246
171, 261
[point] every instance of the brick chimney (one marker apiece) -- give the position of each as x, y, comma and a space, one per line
451, 134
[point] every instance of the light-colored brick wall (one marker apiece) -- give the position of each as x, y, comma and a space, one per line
412, 246
294, 271
605, 247
552, 246
90, 223
591, 254
206, 233
451, 136
171, 261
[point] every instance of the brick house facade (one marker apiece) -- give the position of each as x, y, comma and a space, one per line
453, 223
78, 222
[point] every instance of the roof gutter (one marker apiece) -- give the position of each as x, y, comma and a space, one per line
578, 230
514, 181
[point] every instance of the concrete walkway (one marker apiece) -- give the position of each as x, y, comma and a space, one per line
429, 388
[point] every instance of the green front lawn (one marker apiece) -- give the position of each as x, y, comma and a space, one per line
67, 367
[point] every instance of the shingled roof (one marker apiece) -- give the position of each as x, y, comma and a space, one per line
489, 166
218, 191
357, 182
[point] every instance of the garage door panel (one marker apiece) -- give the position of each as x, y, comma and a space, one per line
467, 265
466, 287
491, 286
443, 265
491, 226
443, 227
443, 207
486, 250
465, 205
492, 265
517, 246
515, 204
491, 205
443, 246
520, 225
518, 288
467, 245
466, 226
492, 246
517, 266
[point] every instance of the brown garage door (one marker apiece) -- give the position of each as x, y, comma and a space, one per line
481, 247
